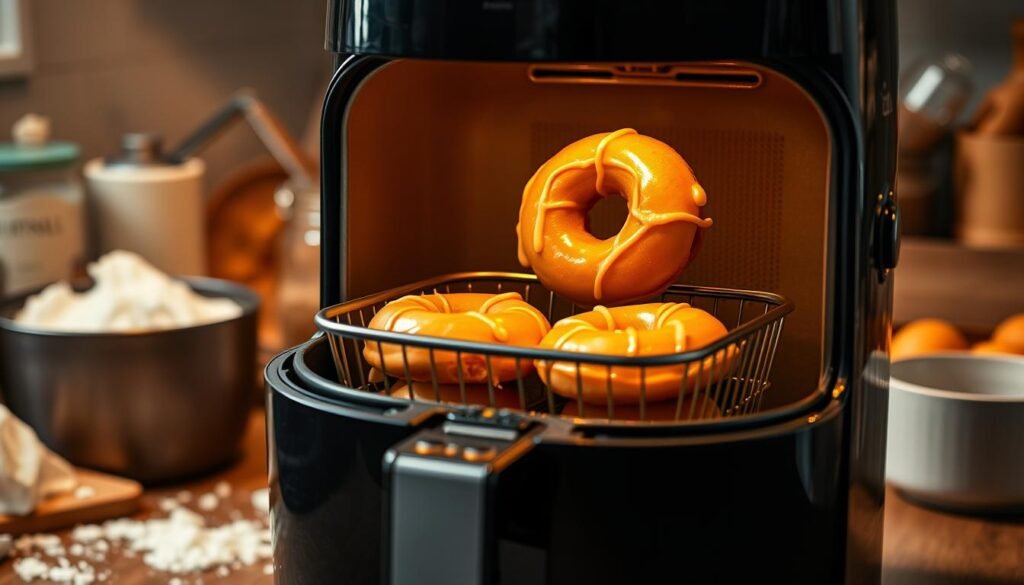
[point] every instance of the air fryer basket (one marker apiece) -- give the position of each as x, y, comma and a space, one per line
727, 378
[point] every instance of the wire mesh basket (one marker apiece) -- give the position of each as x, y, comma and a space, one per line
726, 378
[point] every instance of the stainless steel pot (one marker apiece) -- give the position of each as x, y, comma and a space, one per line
956, 430
155, 406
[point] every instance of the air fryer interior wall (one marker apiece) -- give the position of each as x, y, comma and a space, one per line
439, 152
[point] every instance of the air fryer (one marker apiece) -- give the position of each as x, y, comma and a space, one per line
437, 115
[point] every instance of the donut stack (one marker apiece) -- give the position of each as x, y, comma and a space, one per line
657, 241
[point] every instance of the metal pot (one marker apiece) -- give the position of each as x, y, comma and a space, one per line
956, 426
155, 406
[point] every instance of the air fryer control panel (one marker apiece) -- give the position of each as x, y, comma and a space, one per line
441, 479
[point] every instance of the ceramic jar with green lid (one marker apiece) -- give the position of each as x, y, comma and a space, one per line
42, 209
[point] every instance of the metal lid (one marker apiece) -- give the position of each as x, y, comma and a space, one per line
16, 157
139, 149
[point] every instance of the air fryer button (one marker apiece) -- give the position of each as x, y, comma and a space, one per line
426, 447
476, 454
489, 418
494, 432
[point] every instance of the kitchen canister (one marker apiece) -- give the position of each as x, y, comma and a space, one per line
989, 170
143, 203
989, 177
42, 209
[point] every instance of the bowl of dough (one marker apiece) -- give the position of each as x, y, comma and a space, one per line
140, 374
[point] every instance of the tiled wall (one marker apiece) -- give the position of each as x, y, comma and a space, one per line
105, 67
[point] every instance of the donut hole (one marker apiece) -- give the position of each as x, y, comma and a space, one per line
606, 216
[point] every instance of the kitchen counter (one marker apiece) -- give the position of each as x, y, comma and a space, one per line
922, 546
929, 547
247, 474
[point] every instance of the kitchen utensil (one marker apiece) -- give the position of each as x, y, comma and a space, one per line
1001, 113
99, 496
154, 406
146, 205
271, 132
956, 431
42, 209
434, 121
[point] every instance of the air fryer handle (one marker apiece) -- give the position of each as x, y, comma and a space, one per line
440, 491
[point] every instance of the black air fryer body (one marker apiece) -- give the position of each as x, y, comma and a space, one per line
792, 495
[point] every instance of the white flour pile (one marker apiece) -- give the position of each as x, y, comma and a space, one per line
180, 544
129, 294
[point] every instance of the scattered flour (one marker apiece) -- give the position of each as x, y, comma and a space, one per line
222, 490
261, 500
208, 502
87, 533
31, 568
180, 544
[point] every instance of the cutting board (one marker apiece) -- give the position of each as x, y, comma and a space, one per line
111, 497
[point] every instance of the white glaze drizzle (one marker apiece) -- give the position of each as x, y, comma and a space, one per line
665, 311
542, 323
604, 312
632, 342
497, 329
445, 305
561, 341
680, 331
543, 205
486, 306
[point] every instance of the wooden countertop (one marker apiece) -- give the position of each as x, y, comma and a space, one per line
922, 546
249, 473
929, 547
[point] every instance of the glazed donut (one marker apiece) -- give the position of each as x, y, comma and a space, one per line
655, 243
636, 330
476, 394
504, 319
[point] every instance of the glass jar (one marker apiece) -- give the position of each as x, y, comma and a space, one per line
298, 286
42, 215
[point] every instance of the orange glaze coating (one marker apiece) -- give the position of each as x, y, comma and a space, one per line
502, 319
636, 330
656, 241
